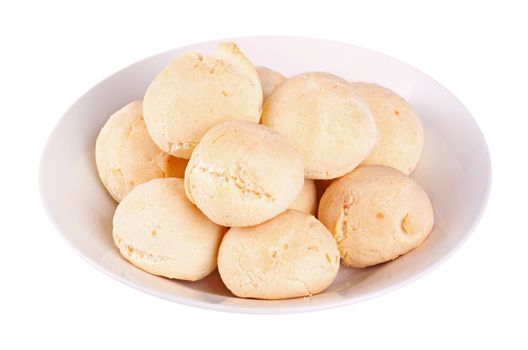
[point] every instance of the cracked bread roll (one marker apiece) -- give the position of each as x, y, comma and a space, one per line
269, 80
126, 156
306, 200
376, 213
400, 128
330, 126
289, 256
242, 174
195, 92
158, 230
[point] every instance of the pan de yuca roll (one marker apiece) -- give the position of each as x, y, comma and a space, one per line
126, 156
291, 255
157, 229
196, 92
330, 126
243, 173
400, 128
376, 214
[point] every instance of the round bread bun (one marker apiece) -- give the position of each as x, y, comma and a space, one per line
400, 128
269, 80
157, 229
291, 255
243, 173
376, 214
126, 156
306, 200
195, 92
328, 124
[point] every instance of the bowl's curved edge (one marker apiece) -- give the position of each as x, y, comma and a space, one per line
271, 310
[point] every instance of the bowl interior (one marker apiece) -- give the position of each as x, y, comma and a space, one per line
454, 170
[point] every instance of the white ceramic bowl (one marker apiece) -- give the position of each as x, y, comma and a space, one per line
455, 171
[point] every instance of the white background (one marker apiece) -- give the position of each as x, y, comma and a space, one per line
51, 53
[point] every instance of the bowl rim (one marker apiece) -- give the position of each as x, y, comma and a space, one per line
282, 309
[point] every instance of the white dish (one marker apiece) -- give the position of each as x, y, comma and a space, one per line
455, 171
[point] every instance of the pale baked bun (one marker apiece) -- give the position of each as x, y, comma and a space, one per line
195, 92
269, 80
306, 200
330, 126
157, 229
291, 255
243, 173
126, 156
376, 214
399, 126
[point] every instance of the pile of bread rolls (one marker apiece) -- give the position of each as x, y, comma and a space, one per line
225, 164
